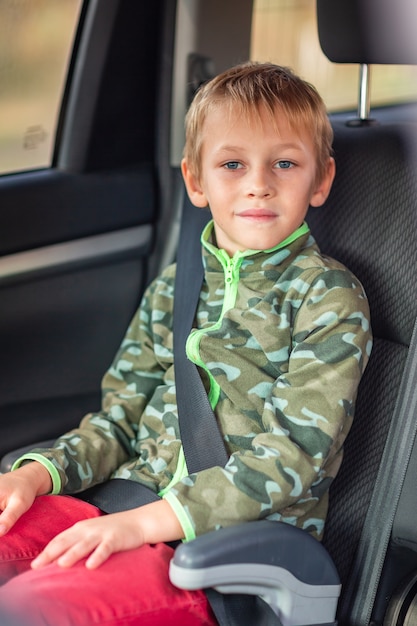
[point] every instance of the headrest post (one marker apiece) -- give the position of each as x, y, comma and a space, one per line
364, 107
364, 91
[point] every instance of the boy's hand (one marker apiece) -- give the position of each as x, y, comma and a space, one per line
19, 489
98, 538
94, 538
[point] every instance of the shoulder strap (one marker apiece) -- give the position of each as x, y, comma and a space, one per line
198, 424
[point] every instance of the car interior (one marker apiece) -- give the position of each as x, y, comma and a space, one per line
79, 241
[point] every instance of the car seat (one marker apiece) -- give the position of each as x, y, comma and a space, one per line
369, 223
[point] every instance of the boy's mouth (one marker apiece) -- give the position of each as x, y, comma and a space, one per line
258, 214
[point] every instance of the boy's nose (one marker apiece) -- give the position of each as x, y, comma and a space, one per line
259, 184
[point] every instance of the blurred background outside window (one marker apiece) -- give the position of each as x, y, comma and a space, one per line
36, 40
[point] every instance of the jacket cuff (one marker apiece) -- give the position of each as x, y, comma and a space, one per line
184, 520
33, 456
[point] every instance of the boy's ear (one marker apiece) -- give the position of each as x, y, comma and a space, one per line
322, 190
194, 190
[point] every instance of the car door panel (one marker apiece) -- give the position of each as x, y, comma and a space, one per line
59, 333
67, 295
76, 239
51, 206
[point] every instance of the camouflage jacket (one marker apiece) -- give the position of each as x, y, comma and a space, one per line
282, 339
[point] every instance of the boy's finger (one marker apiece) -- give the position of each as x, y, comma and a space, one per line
41, 560
9, 516
97, 558
74, 554
54, 550
65, 550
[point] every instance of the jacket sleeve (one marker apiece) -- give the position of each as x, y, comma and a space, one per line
307, 413
88, 455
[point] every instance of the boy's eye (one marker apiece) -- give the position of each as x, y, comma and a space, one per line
232, 165
284, 165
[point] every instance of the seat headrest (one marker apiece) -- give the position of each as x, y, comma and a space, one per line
368, 31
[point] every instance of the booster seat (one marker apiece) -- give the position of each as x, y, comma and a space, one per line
371, 210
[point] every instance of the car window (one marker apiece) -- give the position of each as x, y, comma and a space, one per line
285, 32
36, 38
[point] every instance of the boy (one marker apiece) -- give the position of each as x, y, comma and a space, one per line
282, 340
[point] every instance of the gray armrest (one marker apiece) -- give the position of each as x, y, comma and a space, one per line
284, 565
12, 456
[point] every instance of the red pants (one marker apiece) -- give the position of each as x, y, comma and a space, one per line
130, 588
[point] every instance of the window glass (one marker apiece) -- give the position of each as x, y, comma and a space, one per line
36, 38
285, 32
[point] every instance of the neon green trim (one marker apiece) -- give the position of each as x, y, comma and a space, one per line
180, 473
302, 230
183, 518
299, 232
214, 393
231, 269
55, 477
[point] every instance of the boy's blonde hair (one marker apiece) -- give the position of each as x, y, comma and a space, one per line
249, 87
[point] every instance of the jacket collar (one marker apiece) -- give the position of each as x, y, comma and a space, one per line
253, 260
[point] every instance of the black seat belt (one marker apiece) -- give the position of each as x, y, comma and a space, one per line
198, 424
118, 494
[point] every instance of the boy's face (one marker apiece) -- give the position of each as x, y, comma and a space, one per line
257, 178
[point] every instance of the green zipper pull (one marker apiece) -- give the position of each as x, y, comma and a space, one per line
228, 274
